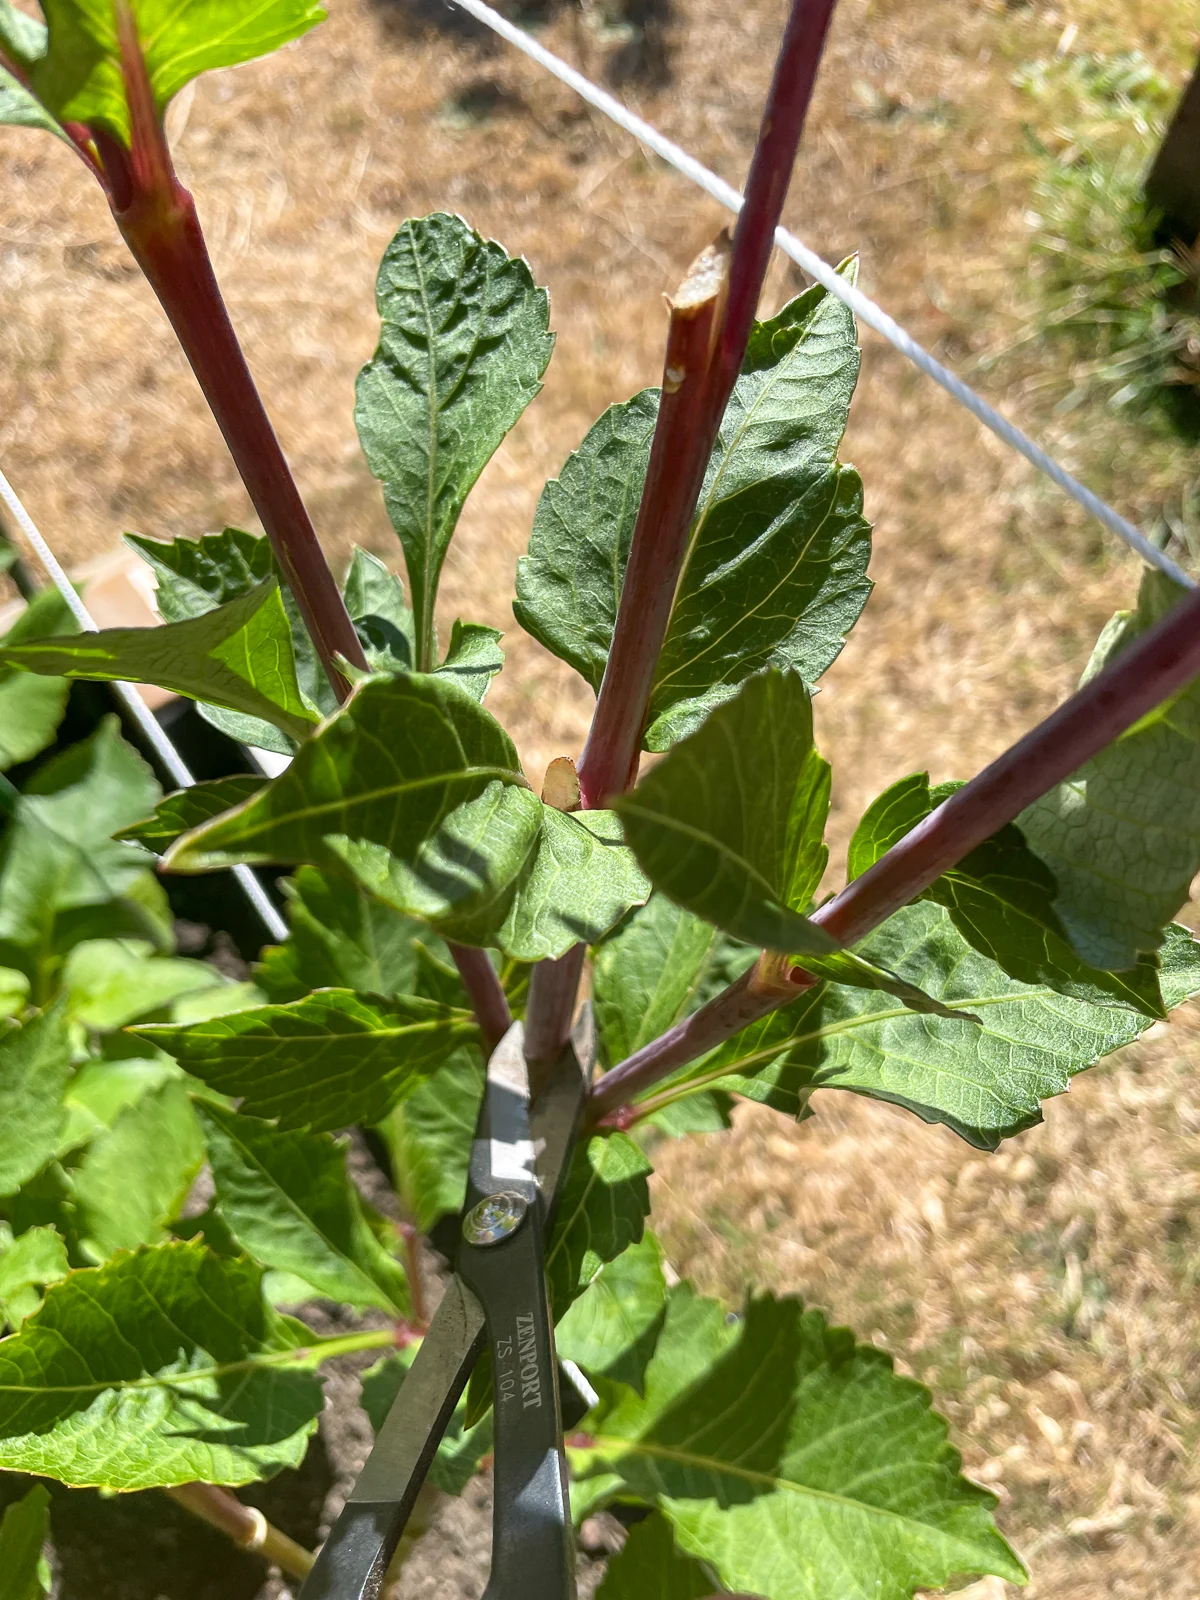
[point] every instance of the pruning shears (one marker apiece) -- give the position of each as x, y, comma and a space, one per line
497, 1295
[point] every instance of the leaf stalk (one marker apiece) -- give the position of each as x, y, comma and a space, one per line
245, 1525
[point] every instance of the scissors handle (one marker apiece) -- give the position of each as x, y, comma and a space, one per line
532, 1547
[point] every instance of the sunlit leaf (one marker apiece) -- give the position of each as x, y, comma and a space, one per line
35, 1063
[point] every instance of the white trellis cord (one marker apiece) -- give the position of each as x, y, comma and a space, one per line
863, 307
137, 707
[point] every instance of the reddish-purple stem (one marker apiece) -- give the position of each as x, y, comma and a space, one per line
485, 992
1149, 671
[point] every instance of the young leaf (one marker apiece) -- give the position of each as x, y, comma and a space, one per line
730, 823
134, 1178
31, 707
24, 1529
79, 77
986, 1080
601, 1211
188, 808
1001, 899
474, 657
428, 1136
660, 965
35, 1063
238, 656
795, 1462
164, 1366
289, 1201
342, 938
110, 982
610, 1330
28, 1263
389, 767
461, 354
776, 568
323, 1062
651, 1567
102, 1088
1122, 835
460, 1450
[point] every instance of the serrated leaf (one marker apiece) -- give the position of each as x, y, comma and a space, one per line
650, 1567
794, 1461
289, 1201
659, 965
461, 1448
610, 1330
848, 967
324, 1062
35, 1063
164, 1366
24, 1529
341, 937
461, 354
28, 1263
729, 824
1001, 898
984, 1081
59, 868
31, 707
238, 656
109, 982
1122, 835
776, 569
80, 80
602, 1209
473, 658
428, 1137
102, 1089
188, 808
134, 1177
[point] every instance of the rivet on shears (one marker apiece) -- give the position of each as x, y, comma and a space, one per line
498, 1217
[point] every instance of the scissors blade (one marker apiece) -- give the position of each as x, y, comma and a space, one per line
353, 1561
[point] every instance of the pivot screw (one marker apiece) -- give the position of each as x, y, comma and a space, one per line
498, 1217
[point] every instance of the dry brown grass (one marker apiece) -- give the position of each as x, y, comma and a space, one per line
1046, 1292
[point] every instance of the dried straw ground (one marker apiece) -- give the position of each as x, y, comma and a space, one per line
1047, 1293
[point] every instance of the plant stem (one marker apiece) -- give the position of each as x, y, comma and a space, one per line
710, 325
553, 989
245, 1525
485, 992
158, 221
1156, 666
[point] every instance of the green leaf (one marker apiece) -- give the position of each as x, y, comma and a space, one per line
389, 767
1001, 898
24, 1529
794, 1461
188, 808
289, 1201
162, 1367
134, 1177
461, 354
650, 1567
110, 982
238, 656
610, 1330
102, 1089
79, 78
846, 966
984, 1081
320, 1063
22, 37
31, 707
729, 823
460, 1450
473, 658
1122, 835
341, 937
27, 1264
35, 1063
602, 1210
658, 966
428, 1137
776, 569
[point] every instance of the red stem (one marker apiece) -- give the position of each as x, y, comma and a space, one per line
1159, 664
485, 992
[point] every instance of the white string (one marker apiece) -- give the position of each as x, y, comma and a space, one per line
863, 307
137, 707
